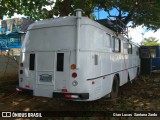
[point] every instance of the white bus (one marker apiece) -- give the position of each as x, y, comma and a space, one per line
75, 58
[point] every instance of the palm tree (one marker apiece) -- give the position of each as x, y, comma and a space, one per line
151, 41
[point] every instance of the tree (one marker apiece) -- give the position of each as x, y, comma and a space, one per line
151, 41
140, 12
34, 9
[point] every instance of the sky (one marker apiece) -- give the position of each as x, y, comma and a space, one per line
138, 34
14, 16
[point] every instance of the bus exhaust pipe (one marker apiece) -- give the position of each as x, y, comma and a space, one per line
78, 15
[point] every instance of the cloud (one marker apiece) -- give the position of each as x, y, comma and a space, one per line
139, 33
136, 34
153, 34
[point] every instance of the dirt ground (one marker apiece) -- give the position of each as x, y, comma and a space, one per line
142, 95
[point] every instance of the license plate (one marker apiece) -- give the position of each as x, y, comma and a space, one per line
45, 78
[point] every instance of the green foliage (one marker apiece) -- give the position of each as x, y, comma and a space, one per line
140, 12
34, 9
67, 7
151, 41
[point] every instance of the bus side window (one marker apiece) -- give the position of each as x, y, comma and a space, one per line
95, 59
137, 52
116, 45
107, 40
129, 48
125, 45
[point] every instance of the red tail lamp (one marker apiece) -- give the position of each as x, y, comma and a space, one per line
64, 90
74, 75
21, 71
27, 86
68, 96
21, 64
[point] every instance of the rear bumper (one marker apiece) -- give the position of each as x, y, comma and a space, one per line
19, 89
74, 96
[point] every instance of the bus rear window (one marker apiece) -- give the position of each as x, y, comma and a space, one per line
60, 61
31, 61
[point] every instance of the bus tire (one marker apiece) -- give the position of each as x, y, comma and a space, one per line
115, 88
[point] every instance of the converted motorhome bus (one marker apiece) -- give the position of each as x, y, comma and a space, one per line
75, 58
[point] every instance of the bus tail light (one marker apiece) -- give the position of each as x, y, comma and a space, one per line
71, 96
64, 90
73, 66
19, 89
21, 71
74, 75
27, 86
21, 64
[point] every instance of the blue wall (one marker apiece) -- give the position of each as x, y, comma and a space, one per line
9, 41
155, 61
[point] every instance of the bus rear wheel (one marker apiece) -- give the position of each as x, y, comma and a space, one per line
115, 88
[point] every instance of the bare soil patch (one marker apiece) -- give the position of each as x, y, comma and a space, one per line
142, 95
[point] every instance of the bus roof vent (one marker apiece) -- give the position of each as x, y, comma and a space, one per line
78, 13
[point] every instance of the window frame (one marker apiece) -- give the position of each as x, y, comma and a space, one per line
108, 40
130, 49
114, 45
